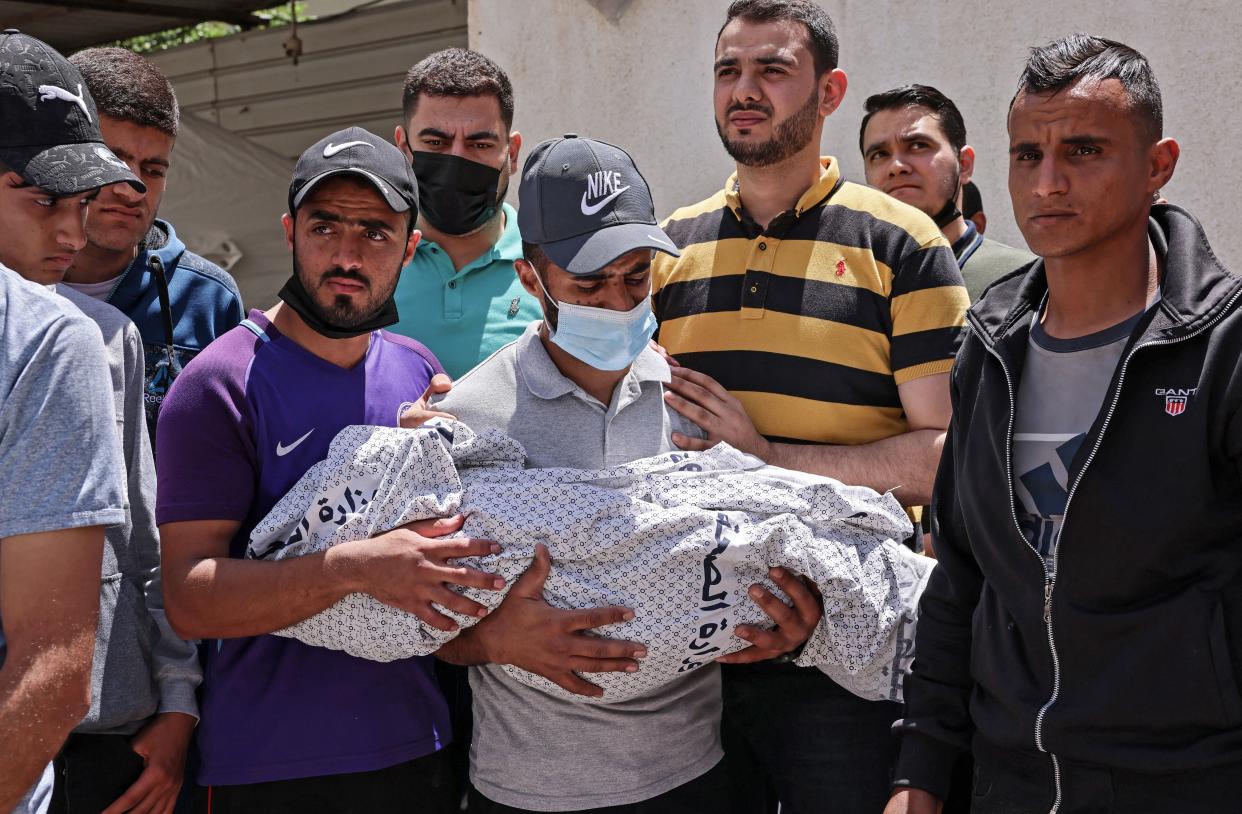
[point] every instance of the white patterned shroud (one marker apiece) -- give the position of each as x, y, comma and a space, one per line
678, 537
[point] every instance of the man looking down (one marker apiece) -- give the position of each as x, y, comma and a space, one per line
582, 388
63, 477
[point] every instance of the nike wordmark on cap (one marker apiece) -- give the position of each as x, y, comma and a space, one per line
584, 203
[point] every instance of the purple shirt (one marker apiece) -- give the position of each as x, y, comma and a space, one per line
245, 419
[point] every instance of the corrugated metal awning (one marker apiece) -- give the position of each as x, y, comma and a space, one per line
70, 25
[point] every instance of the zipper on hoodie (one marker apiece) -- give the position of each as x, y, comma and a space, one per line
1050, 569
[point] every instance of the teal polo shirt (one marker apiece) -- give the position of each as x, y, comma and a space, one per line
465, 316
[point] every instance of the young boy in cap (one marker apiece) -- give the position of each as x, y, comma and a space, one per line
583, 388
54, 397
288, 727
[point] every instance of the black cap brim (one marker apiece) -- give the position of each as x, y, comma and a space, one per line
69, 169
590, 252
393, 198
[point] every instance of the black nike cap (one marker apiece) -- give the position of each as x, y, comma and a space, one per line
49, 127
584, 203
354, 151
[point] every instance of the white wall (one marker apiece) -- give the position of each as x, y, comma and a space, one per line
644, 82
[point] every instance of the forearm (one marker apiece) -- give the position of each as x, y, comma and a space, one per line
905, 464
467, 650
41, 700
223, 597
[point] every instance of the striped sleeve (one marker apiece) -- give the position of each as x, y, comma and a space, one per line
928, 308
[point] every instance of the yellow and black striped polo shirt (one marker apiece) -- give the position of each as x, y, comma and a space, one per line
813, 322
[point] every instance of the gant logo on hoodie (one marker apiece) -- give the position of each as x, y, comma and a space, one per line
1176, 399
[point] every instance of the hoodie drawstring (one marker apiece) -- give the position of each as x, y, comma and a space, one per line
156, 264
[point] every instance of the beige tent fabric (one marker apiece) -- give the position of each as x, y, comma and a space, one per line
225, 197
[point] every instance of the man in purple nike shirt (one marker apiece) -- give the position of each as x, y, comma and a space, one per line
286, 726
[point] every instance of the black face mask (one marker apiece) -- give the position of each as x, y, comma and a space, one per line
455, 195
295, 295
949, 212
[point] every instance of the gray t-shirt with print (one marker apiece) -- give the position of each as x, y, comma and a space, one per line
1064, 382
532, 750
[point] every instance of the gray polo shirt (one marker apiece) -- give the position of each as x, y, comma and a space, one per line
541, 753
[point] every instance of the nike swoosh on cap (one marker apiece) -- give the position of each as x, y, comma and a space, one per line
591, 209
661, 241
333, 149
282, 450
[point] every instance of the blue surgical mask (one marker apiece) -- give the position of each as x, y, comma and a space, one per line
602, 338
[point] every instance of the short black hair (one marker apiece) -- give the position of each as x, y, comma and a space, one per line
821, 33
1062, 62
913, 95
534, 255
972, 200
129, 87
457, 72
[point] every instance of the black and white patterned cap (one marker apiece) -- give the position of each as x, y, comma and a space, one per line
49, 127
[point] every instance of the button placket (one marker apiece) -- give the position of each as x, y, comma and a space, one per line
758, 274
453, 284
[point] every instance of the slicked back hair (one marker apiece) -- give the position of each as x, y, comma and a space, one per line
937, 103
457, 72
1062, 62
129, 87
820, 32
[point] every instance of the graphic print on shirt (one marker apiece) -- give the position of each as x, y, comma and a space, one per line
1042, 484
161, 369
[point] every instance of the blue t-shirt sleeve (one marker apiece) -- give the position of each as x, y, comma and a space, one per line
60, 451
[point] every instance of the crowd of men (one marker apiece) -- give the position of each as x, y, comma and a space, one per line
147, 423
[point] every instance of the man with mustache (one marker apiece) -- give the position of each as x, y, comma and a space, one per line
913, 142
288, 727
815, 321
133, 260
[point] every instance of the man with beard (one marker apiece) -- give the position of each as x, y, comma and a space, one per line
287, 727
913, 142
815, 321
459, 295
133, 260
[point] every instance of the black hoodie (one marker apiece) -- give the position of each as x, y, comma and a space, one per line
1128, 656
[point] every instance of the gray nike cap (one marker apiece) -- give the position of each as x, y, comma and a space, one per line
584, 203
